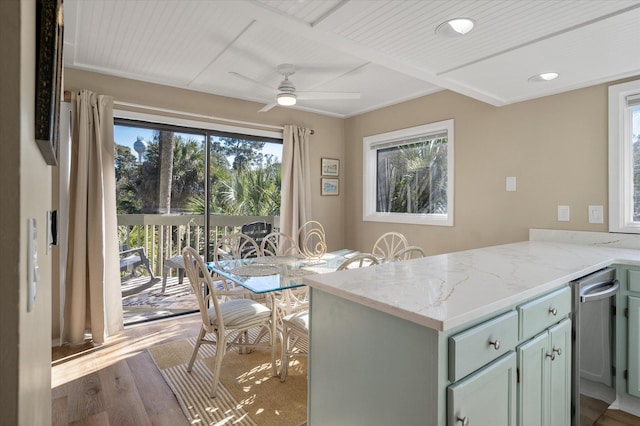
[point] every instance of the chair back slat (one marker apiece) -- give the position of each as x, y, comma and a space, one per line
360, 260
311, 239
409, 252
235, 246
279, 244
202, 285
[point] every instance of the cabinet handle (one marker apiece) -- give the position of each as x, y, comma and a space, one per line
464, 420
495, 344
553, 311
552, 356
558, 351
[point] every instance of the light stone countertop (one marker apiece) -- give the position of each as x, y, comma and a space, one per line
449, 290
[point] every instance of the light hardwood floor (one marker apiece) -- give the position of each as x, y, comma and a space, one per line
118, 384
617, 418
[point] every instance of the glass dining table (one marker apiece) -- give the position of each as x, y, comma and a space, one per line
267, 274
270, 274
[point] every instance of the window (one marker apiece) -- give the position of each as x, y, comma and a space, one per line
408, 175
624, 157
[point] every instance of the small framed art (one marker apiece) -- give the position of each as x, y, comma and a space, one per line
330, 186
330, 167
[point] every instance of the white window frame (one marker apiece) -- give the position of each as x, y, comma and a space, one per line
621, 159
194, 123
370, 175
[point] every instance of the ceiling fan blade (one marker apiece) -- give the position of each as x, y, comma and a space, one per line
267, 107
328, 95
250, 80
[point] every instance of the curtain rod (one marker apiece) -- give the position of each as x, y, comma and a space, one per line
67, 98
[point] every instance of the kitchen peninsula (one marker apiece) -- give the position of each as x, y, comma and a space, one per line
394, 343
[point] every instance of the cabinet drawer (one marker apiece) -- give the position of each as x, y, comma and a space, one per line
634, 281
481, 344
543, 312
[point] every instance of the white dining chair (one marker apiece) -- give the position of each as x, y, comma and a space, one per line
232, 247
229, 322
295, 339
279, 244
312, 240
409, 252
388, 245
359, 261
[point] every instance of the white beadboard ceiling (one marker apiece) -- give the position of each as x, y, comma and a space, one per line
387, 50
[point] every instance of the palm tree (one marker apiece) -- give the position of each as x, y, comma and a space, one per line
248, 192
166, 142
413, 178
253, 192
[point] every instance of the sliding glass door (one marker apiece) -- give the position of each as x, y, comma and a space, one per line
179, 187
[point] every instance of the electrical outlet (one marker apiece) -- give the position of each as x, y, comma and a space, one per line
596, 214
563, 213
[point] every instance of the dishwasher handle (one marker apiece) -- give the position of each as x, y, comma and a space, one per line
599, 291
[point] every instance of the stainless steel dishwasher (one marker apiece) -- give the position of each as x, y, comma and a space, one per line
593, 381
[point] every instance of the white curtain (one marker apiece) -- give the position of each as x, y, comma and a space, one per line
93, 300
295, 205
64, 179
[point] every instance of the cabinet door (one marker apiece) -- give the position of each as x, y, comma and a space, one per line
533, 399
560, 377
487, 397
633, 349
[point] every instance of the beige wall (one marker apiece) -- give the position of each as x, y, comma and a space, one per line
555, 146
25, 181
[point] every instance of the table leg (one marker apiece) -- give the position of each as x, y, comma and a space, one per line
274, 318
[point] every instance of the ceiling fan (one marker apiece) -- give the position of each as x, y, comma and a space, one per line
286, 91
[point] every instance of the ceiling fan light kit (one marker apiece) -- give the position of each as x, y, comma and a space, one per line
286, 99
287, 95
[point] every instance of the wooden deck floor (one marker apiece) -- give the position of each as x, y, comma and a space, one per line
151, 304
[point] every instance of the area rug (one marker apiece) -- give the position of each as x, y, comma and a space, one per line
247, 393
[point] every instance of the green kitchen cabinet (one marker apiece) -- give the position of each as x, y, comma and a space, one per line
560, 377
627, 338
486, 397
533, 370
367, 367
544, 388
633, 349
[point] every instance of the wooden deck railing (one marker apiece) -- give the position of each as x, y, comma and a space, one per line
166, 235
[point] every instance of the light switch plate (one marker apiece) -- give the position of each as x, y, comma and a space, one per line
596, 214
511, 183
563, 213
32, 263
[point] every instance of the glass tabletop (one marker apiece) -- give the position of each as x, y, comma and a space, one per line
272, 273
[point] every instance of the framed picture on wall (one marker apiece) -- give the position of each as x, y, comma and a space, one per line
330, 186
330, 167
49, 34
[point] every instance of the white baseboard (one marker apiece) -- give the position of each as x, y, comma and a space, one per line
628, 404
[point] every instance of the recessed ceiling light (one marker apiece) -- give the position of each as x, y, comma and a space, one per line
545, 76
286, 99
455, 27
